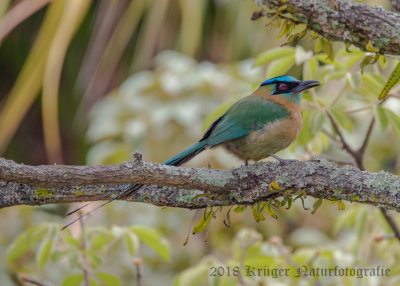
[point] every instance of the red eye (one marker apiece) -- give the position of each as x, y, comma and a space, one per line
283, 86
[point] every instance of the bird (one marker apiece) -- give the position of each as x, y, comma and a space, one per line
253, 128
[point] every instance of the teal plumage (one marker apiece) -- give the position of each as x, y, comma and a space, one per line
253, 128
258, 125
242, 118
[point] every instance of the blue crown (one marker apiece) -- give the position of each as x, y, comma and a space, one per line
282, 78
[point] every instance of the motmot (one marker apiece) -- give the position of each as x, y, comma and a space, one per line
255, 127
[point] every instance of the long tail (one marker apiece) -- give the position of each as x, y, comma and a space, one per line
128, 189
186, 155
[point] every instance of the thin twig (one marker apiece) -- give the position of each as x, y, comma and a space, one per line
138, 262
379, 238
361, 151
337, 130
358, 109
85, 262
24, 278
331, 136
391, 222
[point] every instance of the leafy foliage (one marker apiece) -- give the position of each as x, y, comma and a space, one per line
250, 252
87, 251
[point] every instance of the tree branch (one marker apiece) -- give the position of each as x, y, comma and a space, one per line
37, 185
343, 20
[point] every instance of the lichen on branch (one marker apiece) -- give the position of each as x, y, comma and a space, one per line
342, 20
178, 186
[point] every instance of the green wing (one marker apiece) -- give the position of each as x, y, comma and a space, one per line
246, 115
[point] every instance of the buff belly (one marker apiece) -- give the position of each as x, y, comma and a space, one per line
270, 139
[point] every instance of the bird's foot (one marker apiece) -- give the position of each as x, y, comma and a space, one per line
283, 160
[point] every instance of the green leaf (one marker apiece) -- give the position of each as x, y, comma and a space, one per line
100, 238
366, 61
299, 28
327, 47
274, 186
342, 118
298, 32
382, 115
72, 241
287, 28
74, 259
57, 255
202, 223
352, 58
268, 209
382, 61
312, 124
73, 280
196, 275
317, 119
318, 46
153, 239
26, 241
373, 82
43, 254
280, 66
305, 134
340, 205
238, 209
108, 279
353, 81
257, 212
394, 120
310, 68
289, 202
370, 48
95, 258
132, 242
272, 55
335, 75
323, 57
392, 81
316, 205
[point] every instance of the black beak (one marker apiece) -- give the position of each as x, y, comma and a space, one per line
306, 84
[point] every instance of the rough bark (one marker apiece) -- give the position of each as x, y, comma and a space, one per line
343, 20
177, 186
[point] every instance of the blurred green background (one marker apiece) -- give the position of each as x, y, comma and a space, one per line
90, 82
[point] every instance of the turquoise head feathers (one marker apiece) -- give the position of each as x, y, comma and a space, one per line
289, 86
